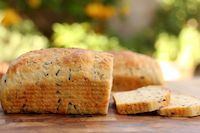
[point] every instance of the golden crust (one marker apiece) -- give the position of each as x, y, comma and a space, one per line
126, 83
133, 70
69, 81
3, 69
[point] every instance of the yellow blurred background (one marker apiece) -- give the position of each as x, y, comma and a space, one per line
167, 30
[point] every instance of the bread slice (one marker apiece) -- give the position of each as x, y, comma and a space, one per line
133, 70
58, 80
145, 99
181, 106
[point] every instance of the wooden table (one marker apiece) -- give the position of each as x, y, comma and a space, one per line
150, 123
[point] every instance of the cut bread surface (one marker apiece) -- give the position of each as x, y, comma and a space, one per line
181, 106
145, 99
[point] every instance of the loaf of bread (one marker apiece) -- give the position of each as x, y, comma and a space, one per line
145, 99
3, 69
181, 106
133, 70
65, 81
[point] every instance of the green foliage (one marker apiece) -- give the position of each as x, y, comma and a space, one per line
19, 39
184, 49
73, 10
3, 4
174, 14
176, 41
142, 42
25, 27
82, 36
170, 18
166, 47
189, 39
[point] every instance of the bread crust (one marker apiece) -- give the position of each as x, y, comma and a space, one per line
58, 80
133, 70
3, 69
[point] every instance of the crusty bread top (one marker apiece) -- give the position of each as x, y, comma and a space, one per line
141, 95
179, 100
62, 62
129, 59
3, 69
130, 64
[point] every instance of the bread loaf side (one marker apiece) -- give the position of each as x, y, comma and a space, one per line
58, 80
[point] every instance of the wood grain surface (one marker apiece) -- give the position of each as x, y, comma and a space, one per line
148, 123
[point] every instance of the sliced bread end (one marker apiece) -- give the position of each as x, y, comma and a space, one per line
181, 106
145, 99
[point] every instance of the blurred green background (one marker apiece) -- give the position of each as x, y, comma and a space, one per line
171, 35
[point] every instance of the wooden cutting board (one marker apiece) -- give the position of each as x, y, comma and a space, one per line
150, 122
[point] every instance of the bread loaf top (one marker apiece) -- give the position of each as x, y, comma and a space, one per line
50, 63
131, 59
131, 64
